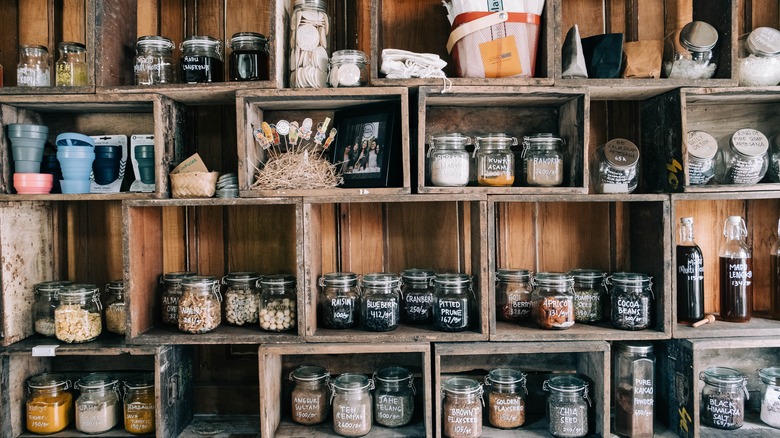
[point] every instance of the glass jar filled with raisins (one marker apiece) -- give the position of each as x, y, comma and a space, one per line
338, 304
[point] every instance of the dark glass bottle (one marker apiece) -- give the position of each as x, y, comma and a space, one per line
736, 273
690, 275
774, 276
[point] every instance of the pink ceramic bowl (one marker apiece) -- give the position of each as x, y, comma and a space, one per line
33, 183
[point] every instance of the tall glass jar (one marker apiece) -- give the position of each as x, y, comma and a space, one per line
770, 396
71, 68
461, 408
745, 160
448, 160
97, 408
34, 68
506, 398
348, 68
116, 312
495, 160
723, 398
46, 301
758, 63
689, 53
352, 404
380, 306
394, 396
417, 296
242, 298
567, 406
77, 317
201, 60
249, 58
171, 293
199, 306
309, 44
631, 299
338, 305
633, 389
452, 301
542, 160
590, 294
139, 406
702, 149
617, 163
736, 272
513, 295
552, 301
49, 404
278, 305
310, 396
154, 61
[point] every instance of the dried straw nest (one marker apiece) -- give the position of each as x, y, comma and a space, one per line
294, 170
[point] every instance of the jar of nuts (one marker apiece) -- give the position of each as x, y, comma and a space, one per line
552, 301
338, 304
278, 304
242, 298
513, 295
380, 307
77, 318
116, 314
590, 294
170, 296
199, 306
46, 300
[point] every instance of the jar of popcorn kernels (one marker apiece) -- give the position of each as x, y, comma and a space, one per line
278, 303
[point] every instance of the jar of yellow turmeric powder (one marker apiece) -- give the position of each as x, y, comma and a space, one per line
495, 160
49, 404
139, 404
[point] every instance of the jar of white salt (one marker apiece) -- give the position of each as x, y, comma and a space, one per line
759, 58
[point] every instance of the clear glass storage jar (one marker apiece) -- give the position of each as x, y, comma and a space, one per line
452, 301
552, 300
770, 396
702, 150
154, 61
590, 294
46, 301
617, 163
633, 388
139, 404
543, 161
689, 53
201, 60
49, 404
513, 295
417, 296
393, 396
309, 44
34, 68
311, 395
338, 305
381, 302
71, 67
745, 160
115, 310
241, 298
506, 393
200, 304
495, 160
631, 300
723, 398
348, 68
278, 304
448, 160
461, 408
77, 318
758, 58
352, 404
171, 292
249, 57
567, 406
98, 407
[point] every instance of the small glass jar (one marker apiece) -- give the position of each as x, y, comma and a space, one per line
77, 318
617, 162
249, 58
770, 396
461, 408
46, 301
758, 63
348, 68
199, 306
394, 396
116, 312
139, 406
310, 397
380, 306
633, 389
552, 300
631, 300
352, 404
590, 294
154, 61
448, 160
452, 301
171, 293
542, 160
49, 403
417, 296
278, 305
723, 398
689, 53
242, 298
201, 60
495, 160
97, 408
309, 44
702, 149
338, 305
513, 295
33, 69
506, 398
567, 406
71, 68
745, 160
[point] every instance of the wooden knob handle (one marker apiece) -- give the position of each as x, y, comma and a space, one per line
707, 319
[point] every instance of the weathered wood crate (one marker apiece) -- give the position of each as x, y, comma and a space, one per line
97, 115
539, 361
255, 107
211, 237
516, 111
390, 234
277, 362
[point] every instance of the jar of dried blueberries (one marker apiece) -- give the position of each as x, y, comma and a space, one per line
352, 404
338, 304
278, 303
552, 301
723, 398
310, 401
452, 302
171, 293
380, 306
394, 396
513, 295
462, 408
199, 305
567, 406
631, 298
506, 398
242, 298
417, 296
590, 293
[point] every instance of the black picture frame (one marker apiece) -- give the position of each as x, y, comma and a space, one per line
378, 163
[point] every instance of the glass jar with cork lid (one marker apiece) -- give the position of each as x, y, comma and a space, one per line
543, 161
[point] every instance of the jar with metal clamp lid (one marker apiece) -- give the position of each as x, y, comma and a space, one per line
452, 302
417, 296
348, 68
461, 408
154, 61
542, 160
745, 160
201, 60
49, 406
689, 53
590, 294
506, 398
495, 160
394, 396
71, 68
448, 160
97, 408
249, 57
338, 304
380, 306
758, 63
723, 398
567, 406
278, 304
631, 300
552, 301
77, 318
352, 404
116, 312
770, 396
46, 301
617, 162
171, 283
513, 295
310, 396
242, 298
139, 404
200, 304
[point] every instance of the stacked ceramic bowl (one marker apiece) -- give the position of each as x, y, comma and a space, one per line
27, 144
76, 153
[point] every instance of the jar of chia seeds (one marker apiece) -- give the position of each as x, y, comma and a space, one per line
567, 406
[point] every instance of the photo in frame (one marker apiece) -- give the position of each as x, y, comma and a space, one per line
368, 145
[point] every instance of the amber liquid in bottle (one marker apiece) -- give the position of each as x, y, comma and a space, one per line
736, 289
690, 284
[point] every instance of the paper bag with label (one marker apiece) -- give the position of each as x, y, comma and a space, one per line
192, 164
643, 59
